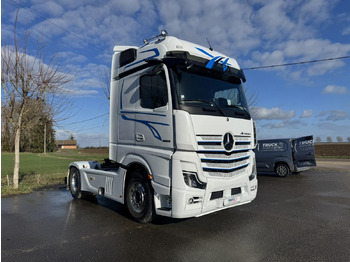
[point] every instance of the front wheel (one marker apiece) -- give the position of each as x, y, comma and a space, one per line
282, 170
139, 198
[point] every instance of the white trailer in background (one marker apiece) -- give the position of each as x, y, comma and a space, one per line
181, 136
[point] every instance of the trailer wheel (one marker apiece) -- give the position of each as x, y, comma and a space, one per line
139, 198
75, 184
282, 170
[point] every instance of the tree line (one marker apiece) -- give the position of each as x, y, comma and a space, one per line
37, 135
329, 139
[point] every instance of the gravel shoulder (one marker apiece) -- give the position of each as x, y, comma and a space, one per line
339, 164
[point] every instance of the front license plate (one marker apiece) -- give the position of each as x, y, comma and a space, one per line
231, 200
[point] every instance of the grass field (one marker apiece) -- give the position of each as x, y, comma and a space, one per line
38, 170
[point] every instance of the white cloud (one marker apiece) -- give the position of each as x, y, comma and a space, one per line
229, 31
79, 92
315, 10
334, 115
332, 89
274, 113
48, 8
284, 124
307, 113
269, 58
346, 31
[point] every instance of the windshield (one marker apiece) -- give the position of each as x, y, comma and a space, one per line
202, 91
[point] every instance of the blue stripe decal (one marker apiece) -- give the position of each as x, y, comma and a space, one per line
226, 160
223, 151
210, 64
155, 50
204, 52
149, 125
224, 169
121, 95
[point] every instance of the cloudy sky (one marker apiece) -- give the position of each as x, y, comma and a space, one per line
293, 100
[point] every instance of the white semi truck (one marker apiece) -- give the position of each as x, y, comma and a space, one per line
181, 136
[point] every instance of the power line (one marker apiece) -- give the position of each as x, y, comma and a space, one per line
297, 63
86, 120
47, 20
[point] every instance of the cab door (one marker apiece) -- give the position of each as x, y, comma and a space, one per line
154, 135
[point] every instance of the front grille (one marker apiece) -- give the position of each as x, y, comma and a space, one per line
217, 162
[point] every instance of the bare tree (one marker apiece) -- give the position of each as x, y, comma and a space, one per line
329, 139
30, 83
339, 139
318, 139
105, 80
348, 138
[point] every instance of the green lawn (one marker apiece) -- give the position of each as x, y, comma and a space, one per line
38, 170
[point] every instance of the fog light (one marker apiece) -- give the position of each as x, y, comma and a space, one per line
190, 201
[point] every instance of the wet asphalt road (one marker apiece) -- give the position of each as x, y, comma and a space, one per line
303, 217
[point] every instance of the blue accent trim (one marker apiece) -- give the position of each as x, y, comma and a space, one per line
210, 64
209, 142
242, 143
226, 160
121, 93
222, 151
224, 64
204, 52
214, 59
141, 113
155, 50
148, 124
224, 169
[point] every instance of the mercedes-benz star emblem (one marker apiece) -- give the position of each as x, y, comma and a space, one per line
228, 141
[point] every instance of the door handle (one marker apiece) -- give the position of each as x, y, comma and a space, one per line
140, 137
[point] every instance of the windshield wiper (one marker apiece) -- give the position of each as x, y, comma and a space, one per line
218, 107
212, 103
197, 101
239, 107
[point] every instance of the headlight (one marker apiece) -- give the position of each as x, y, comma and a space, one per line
255, 135
253, 175
191, 180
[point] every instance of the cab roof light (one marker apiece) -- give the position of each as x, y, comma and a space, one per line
162, 35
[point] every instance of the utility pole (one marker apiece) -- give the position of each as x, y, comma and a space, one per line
45, 139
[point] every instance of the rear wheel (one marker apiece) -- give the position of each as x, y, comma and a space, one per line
75, 184
139, 198
282, 170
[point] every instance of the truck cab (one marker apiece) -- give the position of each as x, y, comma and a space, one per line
181, 135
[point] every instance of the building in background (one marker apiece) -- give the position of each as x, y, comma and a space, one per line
66, 144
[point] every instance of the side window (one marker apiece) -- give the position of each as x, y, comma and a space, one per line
153, 90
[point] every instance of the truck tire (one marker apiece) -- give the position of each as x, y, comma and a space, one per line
139, 198
75, 184
282, 170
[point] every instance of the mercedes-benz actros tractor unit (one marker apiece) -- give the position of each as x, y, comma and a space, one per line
181, 135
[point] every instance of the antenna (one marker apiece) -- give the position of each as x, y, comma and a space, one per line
210, 48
